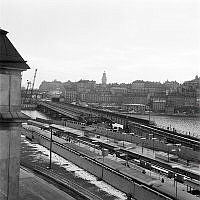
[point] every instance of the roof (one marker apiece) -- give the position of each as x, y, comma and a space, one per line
9, 56
12, 116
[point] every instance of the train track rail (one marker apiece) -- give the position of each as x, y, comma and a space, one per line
185, 140
76, 190
171, 137
132, 155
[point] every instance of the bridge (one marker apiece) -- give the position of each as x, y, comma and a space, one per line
76, 112
136, 125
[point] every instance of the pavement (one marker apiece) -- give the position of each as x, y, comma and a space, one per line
35, 188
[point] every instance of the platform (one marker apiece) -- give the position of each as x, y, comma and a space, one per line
34, 188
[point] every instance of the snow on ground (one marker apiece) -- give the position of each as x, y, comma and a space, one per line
73, 168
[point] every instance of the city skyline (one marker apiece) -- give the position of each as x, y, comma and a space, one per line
130, 40
137, 80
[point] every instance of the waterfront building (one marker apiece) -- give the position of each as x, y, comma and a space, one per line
51, 86
158, 105
169, 96
137, 85
193, 84
99, 97
85, 85
198, 98
70, 95
135, 98
118, 90
180, 103
134, 108
171, 86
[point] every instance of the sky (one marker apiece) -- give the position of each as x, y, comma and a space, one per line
155, 40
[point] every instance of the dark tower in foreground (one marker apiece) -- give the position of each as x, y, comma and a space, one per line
11, 67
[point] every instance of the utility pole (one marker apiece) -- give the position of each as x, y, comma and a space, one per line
26, 92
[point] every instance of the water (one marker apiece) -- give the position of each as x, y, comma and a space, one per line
181, 124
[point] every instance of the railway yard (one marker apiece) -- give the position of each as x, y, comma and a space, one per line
130, 163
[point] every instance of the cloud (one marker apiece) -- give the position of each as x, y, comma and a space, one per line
74, 39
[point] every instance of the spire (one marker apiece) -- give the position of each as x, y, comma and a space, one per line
104, 79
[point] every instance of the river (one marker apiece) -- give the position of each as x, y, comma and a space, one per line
181, 124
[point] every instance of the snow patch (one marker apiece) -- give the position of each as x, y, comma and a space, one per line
44, 155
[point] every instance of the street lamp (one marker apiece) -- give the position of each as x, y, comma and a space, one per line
176, 189
124, 134
143, 139
104, 153
153, 142
168, 145
149, 114
178, 146
178, 149
50, 149
116, 149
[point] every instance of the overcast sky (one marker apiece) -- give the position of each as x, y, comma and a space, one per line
130, 39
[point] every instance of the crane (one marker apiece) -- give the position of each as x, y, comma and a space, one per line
33, 85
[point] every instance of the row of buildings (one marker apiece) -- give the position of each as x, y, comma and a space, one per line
170, 96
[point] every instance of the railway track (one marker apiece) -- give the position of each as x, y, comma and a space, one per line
132, 155
68, 186
149, 187
171, 137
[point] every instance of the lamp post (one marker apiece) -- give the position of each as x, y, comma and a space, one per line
176, 189
116, 149
149, 114
142, 139
178, 148
104, 153
153, 143
103, 162
124, 134
50, 149
168, 145
127, 160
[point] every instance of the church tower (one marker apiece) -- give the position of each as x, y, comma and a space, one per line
104, 79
